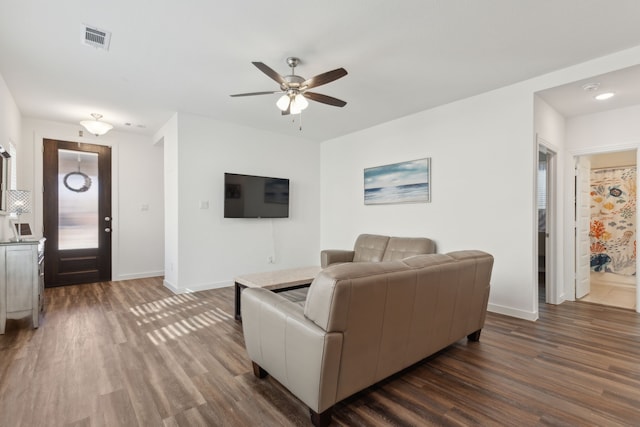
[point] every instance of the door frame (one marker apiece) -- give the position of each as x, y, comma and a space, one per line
551, 241
38, 180
582, 224
570, 255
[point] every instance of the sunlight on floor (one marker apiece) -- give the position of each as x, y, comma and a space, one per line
166, 309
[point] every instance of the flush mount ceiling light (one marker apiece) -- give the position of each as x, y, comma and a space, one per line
96, 127
605, 95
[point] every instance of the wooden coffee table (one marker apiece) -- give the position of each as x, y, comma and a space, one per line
276, 281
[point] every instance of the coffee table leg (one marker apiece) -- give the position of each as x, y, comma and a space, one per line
239, 289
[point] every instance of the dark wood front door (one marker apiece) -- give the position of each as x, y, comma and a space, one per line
77, 212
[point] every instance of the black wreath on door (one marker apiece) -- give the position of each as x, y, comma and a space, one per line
75, 184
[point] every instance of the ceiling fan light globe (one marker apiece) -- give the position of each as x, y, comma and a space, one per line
283, 102
301, 101
294, 109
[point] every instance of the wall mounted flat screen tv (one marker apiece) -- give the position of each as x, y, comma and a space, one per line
249, 196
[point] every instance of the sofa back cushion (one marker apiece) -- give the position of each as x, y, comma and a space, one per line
402, 247
369, 248
335, 289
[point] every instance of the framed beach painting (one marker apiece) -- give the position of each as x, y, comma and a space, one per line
406, 182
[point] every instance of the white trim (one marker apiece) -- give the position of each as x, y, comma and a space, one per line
637, 222
508, 311
139, 275
551, 251
196, 288
171, 287
626, 146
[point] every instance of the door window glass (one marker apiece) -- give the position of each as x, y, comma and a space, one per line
77, 200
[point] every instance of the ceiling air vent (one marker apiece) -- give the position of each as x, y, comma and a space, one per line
95, 37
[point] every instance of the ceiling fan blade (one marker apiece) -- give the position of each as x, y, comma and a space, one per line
256, 93
324, 78
270, 72
325, 99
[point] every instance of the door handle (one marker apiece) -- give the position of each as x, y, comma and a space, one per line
108, 230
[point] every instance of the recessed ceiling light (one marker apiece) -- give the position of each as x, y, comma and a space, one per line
604, 95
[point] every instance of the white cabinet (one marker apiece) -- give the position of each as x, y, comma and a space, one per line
21, 281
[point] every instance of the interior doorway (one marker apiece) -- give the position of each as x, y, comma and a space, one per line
608, 227
546, 212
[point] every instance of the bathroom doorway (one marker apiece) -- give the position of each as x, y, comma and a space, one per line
611, 229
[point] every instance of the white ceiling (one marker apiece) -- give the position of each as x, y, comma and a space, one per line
572, 99
402, 57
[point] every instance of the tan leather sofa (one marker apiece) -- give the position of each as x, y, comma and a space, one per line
362, 322
373, 247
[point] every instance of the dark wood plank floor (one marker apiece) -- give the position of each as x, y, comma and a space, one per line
133, 354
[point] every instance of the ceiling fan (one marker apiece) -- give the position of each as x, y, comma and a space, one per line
295, 89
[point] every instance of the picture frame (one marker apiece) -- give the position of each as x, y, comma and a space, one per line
25, 230
404, 182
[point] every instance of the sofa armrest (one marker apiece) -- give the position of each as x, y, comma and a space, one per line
334, 256
291, 348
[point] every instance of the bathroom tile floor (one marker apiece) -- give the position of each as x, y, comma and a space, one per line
612, 290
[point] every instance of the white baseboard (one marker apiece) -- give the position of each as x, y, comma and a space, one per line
508, 311
171, 287
140, 275
196, 288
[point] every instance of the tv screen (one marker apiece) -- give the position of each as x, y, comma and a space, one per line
249, 196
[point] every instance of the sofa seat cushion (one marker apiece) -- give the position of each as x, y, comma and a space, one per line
296, 296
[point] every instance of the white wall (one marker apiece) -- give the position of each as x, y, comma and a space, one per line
549, 126
141, 208
611, 130
138, 238
483, 174
481, 150
213, 250
10, 122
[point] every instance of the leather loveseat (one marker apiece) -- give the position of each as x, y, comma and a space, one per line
373, 247
362, 322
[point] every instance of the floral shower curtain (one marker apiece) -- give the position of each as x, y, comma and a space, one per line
613, 215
